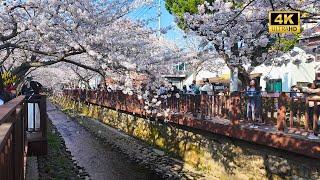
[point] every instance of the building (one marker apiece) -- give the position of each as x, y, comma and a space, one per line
298, 71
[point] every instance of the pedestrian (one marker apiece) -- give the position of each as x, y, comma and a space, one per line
207, 88
173, 89
162, 90
194, 88
31, 89
184, 89
251, 94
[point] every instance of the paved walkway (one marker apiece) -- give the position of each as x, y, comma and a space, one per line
100, 161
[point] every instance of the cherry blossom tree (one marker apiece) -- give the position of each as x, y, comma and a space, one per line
201, 56
94, 35
238, 30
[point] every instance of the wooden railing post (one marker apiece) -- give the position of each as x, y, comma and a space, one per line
234, 109
291, 112
281, 114
18, 144
315, 116
306, 123
43, 116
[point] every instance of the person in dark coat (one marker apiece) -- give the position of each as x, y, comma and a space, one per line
31, 88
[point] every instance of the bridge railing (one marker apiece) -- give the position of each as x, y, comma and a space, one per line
269, 109
12, 139
17, 139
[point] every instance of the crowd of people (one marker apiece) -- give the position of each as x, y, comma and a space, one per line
193, 88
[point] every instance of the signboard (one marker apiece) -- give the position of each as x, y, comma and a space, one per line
284, 22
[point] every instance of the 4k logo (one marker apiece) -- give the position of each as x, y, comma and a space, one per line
284, 22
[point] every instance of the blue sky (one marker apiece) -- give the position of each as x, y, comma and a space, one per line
147, 12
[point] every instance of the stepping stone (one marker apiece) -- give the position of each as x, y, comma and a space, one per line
161, 153
305, 134
291, 131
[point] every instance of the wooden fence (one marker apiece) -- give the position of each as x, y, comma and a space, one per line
12, 139
16, 139
228, 107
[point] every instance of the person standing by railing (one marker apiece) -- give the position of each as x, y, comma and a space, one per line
31, 89
194, 88
184, 89
251, 94
162, 90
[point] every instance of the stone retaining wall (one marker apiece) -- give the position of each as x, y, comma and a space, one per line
215, 155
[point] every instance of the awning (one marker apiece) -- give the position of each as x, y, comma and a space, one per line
255, 75
219, 80
215, 80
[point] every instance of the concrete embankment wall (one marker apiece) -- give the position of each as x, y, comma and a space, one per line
215, 155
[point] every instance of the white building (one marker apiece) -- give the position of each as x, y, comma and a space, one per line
187, 78
298, 71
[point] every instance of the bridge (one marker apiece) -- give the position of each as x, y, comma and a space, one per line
219, 114
17, 139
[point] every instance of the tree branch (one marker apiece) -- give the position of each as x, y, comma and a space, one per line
13, 33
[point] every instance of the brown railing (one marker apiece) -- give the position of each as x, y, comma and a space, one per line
271, 108
12, 139
14, 135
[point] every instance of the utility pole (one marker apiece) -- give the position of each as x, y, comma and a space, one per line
159, 19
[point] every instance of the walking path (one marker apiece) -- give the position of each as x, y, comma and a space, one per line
99, 160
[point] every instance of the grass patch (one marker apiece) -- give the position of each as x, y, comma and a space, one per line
57, 164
